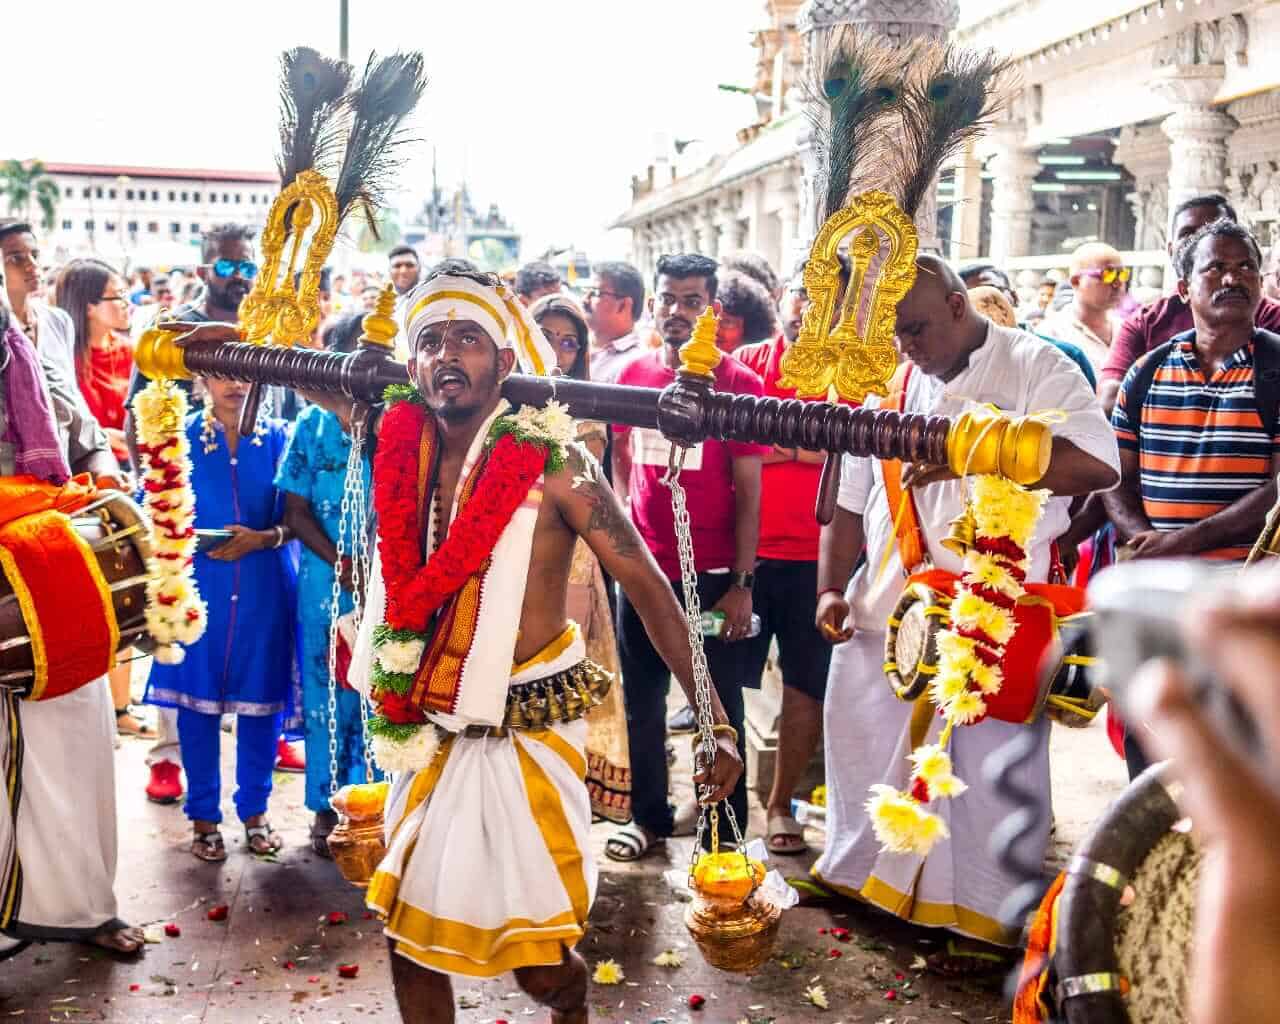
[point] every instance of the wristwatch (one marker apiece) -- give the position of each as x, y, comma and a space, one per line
745, 580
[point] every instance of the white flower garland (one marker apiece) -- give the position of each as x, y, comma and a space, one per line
175, 614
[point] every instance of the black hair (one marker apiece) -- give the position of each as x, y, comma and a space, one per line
342, 332
566, 306
453, 266
404, 250
1184, 259
81, 284
9, 226
1214, 199
972, 270
219, 233
683, 265
755, 267
744, 296
625, 279
533, 276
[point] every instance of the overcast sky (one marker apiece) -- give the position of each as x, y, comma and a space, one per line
547, 106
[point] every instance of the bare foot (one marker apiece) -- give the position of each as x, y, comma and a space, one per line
125, 941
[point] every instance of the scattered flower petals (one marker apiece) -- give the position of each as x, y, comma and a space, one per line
337, 917
898, 976
608, 972
834, 954
891, 995
313, 979
289, 965
135, 987
817, 995
822, 931
218, 913
668, 958
172, 930
840, 934
697, 1002
348, 970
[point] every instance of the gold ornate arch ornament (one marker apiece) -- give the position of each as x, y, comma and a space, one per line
857, 356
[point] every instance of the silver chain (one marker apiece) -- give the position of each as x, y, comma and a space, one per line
706, 745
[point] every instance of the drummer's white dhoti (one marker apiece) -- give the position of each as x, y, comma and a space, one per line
868, 731
58, 819
488, 865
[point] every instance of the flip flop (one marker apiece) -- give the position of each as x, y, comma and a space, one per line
956, 962
785, 835
274, 841
214, 850
629, 844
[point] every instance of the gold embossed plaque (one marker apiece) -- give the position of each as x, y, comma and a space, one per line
857, 356
275, 310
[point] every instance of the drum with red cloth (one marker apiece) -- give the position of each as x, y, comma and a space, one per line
73, 591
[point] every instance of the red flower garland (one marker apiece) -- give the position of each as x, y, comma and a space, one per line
414, 590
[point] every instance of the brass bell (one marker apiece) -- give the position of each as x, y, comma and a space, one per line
961, 533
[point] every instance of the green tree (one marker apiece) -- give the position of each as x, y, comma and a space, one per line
27, 185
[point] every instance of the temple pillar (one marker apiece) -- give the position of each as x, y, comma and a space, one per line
1198, 132
966, 210
1014, 166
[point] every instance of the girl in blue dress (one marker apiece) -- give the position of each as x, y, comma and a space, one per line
313, 475
243, 665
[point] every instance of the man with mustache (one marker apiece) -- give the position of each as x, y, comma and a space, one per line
1197, 446
722, 484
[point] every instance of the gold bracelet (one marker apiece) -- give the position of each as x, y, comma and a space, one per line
720, 729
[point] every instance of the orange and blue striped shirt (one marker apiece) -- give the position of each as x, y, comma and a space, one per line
1201, 444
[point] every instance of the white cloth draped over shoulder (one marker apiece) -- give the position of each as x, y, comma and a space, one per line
869, 732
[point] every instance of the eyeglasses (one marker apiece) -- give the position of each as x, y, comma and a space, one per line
245, 268
595, 293
124, 299
1108, 275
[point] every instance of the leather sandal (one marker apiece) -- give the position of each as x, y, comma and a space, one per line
208, 846
267, 835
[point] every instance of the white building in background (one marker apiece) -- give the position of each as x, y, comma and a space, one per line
150, 215
1122, 108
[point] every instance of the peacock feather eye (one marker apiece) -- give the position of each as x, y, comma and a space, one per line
838, 80
940, 91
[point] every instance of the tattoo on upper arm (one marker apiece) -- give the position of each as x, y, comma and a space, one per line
606, 513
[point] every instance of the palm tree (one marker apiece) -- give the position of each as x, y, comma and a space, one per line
27, 185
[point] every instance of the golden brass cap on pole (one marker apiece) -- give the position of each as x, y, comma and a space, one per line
158, 355
987, 441
699, 356
380, 326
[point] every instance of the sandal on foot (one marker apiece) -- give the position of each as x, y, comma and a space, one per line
119, 939
128, 725
629, 843
785, 835
262, 840
208, 846
956, 961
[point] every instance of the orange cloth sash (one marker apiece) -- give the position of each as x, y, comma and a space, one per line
1029, 1005
909, 536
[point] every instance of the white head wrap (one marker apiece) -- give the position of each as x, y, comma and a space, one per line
495, 308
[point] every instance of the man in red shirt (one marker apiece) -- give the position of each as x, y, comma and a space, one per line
722, 485
1157, 322
786, 591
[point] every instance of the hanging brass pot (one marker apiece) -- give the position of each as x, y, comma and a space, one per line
358, 842
733, 924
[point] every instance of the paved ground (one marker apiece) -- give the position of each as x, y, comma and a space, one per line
275, 957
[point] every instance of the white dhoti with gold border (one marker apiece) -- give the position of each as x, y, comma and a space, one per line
488, 866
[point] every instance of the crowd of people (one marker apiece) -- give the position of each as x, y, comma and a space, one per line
1166, 446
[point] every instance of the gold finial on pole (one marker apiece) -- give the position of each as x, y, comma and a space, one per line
380, 326
699, 356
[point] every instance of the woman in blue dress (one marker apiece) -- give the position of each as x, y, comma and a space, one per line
243, 665
313, 475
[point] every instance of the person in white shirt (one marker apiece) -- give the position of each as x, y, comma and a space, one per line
1089, 320
613, 309
958, 360
46, 326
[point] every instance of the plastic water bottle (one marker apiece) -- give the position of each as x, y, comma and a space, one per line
809, 814
713, 624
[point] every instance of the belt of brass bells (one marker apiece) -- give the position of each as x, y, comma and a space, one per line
563, 697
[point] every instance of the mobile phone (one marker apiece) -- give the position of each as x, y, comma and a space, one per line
1138, 609
207, 540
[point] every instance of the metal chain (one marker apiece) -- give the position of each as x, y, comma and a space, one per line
706, 745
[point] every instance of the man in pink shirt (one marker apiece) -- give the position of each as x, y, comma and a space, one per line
786, 592
722, 484
1157, 322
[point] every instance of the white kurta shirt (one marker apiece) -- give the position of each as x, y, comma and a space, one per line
1020, 374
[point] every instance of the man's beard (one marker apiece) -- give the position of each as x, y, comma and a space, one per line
481, 390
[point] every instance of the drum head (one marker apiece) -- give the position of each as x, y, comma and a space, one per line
911, 652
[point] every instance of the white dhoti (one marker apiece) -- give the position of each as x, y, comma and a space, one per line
58, 823
488, 866
960, 885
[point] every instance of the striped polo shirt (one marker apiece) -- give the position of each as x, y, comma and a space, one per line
1202, 445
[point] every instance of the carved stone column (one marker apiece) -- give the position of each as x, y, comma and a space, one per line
966, 208
1198, 132
733, 232
1014, 166
1144, 151
708, 233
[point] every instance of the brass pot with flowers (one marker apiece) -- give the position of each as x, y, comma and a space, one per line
733, 923
358, 841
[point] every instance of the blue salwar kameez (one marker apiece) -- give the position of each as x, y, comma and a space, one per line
243, 665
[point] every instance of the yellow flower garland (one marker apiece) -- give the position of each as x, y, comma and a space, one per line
1003, 513
175, 614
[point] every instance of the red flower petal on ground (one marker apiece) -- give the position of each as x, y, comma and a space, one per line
697, 1002
835, 954
337, 917
172, 930
314, 978
218, 913
348, 970
822, 931
289, 965
891, 995
840, 934
899, 976
135, 988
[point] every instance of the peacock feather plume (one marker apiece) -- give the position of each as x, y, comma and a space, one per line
312, 97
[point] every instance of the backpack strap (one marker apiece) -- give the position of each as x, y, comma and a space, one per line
1266, 378
1135, 395
909, 537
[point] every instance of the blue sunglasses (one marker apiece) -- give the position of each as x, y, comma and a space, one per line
245, 268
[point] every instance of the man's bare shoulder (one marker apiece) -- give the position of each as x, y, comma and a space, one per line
587, 502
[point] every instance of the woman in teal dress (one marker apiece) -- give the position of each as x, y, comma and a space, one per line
313, 475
